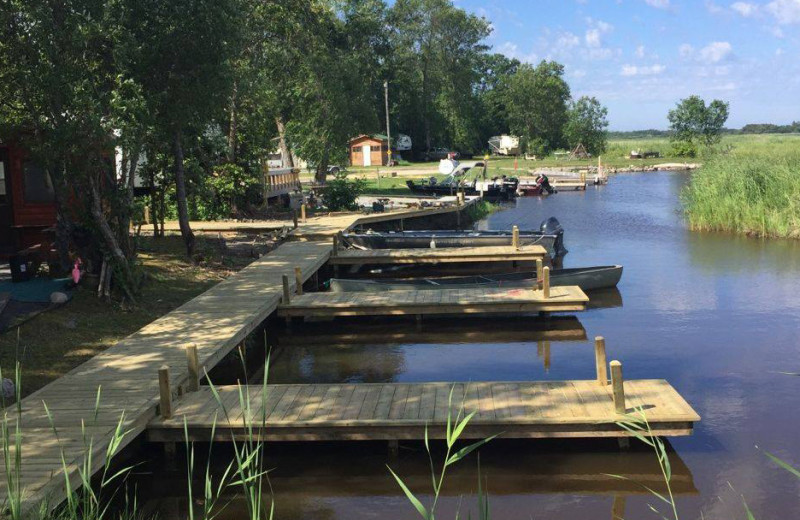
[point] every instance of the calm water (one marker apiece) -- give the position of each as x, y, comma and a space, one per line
716, 315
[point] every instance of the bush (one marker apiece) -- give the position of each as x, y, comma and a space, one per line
341, 194
684, 149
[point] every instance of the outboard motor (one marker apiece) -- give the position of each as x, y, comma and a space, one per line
552, 226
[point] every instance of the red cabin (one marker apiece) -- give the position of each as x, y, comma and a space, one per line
27, 201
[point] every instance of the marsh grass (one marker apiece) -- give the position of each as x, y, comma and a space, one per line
756, 193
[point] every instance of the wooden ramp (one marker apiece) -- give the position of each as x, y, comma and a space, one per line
444, 301
438, 256
398, 411
124, 375
568, 185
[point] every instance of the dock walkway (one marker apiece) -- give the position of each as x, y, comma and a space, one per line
443, 301
400, 411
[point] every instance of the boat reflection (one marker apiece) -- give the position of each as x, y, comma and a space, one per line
337, 481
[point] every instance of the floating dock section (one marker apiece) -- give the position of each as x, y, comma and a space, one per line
529, 253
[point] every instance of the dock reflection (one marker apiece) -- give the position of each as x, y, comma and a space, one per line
306, 478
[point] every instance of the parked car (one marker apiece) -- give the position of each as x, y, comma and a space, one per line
437, 154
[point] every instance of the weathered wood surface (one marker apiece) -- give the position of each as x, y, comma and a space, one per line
444, 301
439, 256
126, 375
392, 411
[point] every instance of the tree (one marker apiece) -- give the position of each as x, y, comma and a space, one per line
587, 124
185, 50
693, 123
536, 105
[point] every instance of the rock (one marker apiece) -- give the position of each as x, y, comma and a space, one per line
58, 297
9, 390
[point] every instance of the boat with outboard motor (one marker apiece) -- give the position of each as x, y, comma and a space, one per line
550, 236
498, 188
587, 278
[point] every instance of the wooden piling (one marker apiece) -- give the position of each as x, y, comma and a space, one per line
165, 392
335, 245
298, 280
546, 282
303, 212
600, 360
515, 237
294, 218
618, 387
192, 361
286, 295
539, 272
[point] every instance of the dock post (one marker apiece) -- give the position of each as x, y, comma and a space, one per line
394, 448
600, 360
539, 273
515, 237
546, 355
294, 218
402, 224
617, 386
165, 392
335, 245
287, 298
298, 280
618, 508
303, 212
194, 368
546, 282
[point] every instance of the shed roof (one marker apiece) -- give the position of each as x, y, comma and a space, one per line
379, 137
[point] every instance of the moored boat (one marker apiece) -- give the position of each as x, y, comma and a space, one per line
587, 278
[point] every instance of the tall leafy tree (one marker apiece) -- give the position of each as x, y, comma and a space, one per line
536, 105
692, 122
494, 71
587, 124
186, 48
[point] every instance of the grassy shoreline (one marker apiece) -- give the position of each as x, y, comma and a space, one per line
749, 192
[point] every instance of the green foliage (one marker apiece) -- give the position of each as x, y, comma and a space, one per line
341, 194
746, 191
586, 124
229, 185
536, 104
693, 123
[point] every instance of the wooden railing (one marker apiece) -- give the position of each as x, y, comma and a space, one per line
281, 181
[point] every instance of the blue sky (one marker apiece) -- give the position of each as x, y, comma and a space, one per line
641, 56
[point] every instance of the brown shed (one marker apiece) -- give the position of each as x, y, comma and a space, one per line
369, 150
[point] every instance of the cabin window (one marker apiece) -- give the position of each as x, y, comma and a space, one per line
37, 186
2, 181
356, 149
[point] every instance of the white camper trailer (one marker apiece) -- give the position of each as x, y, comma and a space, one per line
504, 144
402, 143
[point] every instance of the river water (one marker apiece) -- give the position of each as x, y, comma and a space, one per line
716, 315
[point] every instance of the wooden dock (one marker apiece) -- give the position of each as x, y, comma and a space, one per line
444, 301
399, 411
528, 253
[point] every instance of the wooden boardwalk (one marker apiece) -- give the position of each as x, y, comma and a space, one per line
399, 411
444, 301
439, 256
125, 374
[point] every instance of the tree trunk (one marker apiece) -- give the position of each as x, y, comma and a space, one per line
111, 240
321, 174
129, 165
232, 126
153, 203
180, 192
63, 228
287, 161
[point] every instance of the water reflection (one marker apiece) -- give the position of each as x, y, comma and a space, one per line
312, 481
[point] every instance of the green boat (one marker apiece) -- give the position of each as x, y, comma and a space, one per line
587, 278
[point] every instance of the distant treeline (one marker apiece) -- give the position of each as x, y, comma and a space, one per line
753, 128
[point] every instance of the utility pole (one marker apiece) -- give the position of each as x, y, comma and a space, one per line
388, 132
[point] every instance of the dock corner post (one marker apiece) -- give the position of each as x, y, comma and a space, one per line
298, 280
194, 368
539, 273
515, 237
394, 448
165, 392
335, 251
287, 297
618, 387
294, 218
600, 360
546, 282
303, 212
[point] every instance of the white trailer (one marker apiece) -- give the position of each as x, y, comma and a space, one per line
504, 144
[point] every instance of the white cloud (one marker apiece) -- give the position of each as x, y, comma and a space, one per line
593, 38
597, 28
633, 70
639, 51
713, 8
658, 4
785, 11
715, 51
745, 9
567, 40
